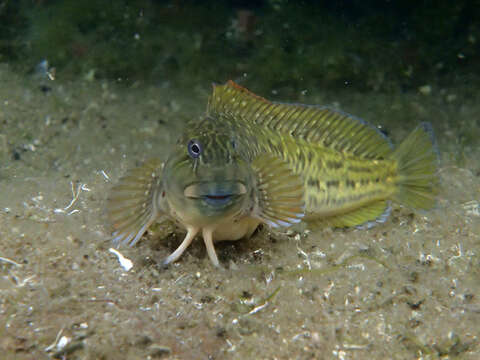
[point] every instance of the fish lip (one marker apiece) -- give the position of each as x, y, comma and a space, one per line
219, 200
218, 197
213, 191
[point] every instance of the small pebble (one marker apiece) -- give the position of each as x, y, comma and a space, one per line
425, 90
15, 155
159, 350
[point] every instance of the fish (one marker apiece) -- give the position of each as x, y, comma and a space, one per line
250, 161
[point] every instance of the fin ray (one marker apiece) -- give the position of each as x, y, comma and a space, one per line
279, 199
131, 205
363, 217
417, 159
330, 128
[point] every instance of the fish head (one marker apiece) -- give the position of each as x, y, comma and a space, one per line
208, 177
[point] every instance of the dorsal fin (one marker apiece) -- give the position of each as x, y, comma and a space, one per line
321, 125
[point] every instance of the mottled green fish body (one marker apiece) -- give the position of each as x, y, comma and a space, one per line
350, 170
251, 161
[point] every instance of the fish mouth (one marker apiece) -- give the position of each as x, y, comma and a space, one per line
218, 199
216, 193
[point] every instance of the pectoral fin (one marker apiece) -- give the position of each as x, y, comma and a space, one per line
132, 203
279, 192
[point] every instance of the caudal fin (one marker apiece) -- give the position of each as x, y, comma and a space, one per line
417, 159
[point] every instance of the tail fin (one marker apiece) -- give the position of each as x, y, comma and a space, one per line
417, 159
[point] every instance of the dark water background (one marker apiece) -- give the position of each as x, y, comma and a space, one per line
284, 45
89, 89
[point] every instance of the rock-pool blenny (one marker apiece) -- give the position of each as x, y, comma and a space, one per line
250, 161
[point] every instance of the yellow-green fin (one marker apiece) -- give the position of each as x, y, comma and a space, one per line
279, 192
417, 160
321, 125
131, 205
363, 217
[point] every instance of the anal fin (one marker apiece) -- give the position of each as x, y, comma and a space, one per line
363, 217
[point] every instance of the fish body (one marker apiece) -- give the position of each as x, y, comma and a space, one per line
350, 170
250, 161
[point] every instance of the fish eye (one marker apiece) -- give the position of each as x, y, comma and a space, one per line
194, 148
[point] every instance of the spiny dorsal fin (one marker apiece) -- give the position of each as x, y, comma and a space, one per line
322, 125
131, 204
279, 192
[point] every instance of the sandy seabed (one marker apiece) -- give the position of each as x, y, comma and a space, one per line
407, 289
